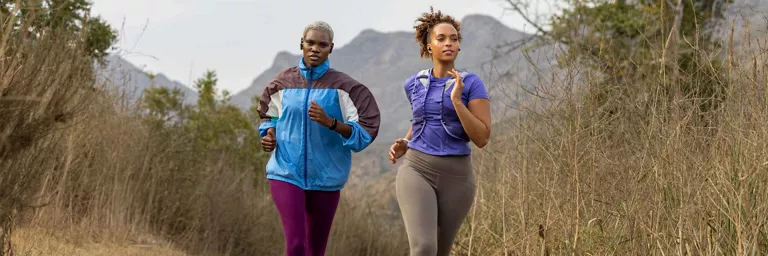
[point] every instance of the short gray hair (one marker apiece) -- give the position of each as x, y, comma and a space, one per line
319, 26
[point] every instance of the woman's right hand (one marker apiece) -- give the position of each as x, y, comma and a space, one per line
269, 142
397, 150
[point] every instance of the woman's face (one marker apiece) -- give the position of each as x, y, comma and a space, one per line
316, 46
444, 42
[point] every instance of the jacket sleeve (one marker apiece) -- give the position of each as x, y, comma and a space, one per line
270, 107
360, 111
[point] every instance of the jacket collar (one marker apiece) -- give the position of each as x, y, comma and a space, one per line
316, 72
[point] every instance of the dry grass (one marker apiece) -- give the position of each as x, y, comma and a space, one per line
39, 242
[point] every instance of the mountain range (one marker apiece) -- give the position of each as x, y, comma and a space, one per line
133, 80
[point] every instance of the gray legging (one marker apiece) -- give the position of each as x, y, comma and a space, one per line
434, 193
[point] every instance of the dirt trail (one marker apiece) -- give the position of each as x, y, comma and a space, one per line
38, 242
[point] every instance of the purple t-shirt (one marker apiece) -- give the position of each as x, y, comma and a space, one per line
434, 140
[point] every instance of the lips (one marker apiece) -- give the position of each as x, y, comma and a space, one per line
314, 57
448, 52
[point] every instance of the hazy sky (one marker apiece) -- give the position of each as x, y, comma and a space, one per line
240, 38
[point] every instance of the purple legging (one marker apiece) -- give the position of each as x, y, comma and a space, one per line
306, 217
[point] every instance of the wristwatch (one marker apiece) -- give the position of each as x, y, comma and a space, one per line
333, 125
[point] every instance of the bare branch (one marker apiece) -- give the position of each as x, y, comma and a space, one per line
516, 7
509, 47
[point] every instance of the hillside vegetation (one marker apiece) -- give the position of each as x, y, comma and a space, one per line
646, 139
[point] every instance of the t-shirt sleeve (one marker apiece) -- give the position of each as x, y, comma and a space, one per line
476, 88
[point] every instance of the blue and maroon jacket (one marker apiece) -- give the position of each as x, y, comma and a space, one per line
308, 154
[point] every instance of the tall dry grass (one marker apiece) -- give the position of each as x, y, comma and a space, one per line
44, 88
656, 174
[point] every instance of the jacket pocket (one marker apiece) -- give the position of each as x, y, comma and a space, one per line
331, 167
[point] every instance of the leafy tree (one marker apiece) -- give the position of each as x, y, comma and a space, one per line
214, 121
212, 125
206, 88
163, 104
38, 18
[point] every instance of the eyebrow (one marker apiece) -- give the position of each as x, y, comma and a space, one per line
315, 41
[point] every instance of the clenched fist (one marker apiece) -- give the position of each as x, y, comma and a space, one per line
269, 142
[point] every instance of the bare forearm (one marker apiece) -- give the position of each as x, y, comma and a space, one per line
344, 129
408, 135
477, 131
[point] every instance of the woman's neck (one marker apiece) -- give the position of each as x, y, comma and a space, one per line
441, 69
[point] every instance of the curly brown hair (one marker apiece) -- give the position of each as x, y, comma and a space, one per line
426, 23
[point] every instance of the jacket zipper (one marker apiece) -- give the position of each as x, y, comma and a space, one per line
306, 128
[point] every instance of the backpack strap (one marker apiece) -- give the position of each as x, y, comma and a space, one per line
449, 83
421, 77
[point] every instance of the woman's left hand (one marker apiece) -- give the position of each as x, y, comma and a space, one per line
458, 87
317, 114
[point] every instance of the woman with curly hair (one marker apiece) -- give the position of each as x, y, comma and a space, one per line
436, 185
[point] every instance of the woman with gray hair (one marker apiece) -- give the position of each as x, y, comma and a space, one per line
312, 118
